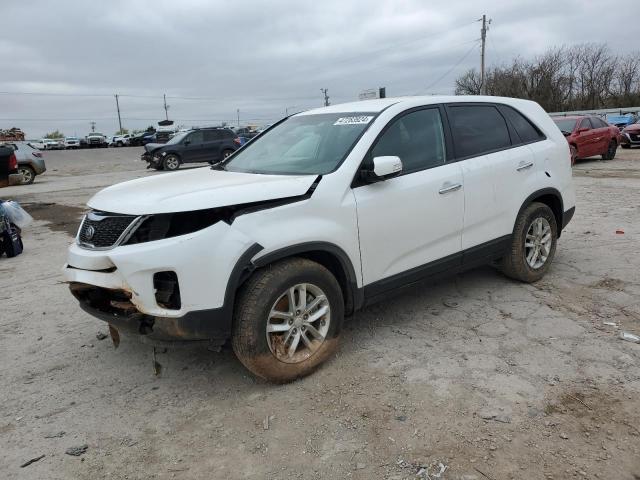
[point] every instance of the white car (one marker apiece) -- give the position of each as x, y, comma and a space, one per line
71, 142
45, 144
327, 211
120, 140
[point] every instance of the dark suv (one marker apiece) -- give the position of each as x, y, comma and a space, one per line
209, 145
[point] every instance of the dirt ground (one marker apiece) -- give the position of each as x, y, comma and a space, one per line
477, 375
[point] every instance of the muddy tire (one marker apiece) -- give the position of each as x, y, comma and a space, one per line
610, 154
535, 231
268, 318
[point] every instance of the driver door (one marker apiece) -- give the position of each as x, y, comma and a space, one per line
194, 150
410, 225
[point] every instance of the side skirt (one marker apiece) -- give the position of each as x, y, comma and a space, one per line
473, 257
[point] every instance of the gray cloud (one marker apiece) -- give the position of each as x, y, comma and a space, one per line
257, 56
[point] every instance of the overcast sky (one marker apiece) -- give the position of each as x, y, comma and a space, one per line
261, 57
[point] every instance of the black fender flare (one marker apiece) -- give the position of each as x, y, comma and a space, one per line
549, 191
354, 296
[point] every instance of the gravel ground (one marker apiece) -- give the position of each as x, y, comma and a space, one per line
477, 375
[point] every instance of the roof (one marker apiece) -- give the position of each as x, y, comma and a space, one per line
571, 117
377, 105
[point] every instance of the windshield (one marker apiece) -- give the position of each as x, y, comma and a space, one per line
305, 144
177, 138
566, 125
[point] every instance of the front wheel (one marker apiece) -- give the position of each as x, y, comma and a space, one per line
287, 320
533, 244
171, 162
610, 154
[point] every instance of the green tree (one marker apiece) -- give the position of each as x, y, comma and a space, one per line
55, 134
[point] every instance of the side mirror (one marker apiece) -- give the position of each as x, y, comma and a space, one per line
387, 167
187, 142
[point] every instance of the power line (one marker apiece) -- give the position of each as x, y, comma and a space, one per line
462, 59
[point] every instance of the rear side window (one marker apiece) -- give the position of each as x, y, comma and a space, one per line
524, 128
211, 135
417, 138
478, 129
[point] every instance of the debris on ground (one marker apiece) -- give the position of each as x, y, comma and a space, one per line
33, 460
496, 417
77, 451
619, 232
59, 434
610, 324
629, 337
101, 336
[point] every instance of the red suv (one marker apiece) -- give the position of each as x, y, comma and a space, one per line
589, 136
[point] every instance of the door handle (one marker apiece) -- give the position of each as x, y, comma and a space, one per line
449, 187
524, 166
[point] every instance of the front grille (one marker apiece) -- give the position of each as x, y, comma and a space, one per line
102, 230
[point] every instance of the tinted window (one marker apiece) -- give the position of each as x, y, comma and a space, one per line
227, 134
417, 138
478, 129
211, 135
196, 137
565, 124
597, 123
585, 123
523, 127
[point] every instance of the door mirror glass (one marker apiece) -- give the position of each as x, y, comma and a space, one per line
386, 167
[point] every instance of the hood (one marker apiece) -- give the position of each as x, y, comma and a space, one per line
197, 189
150, 147
632, 128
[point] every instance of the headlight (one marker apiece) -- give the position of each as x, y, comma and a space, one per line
167, 225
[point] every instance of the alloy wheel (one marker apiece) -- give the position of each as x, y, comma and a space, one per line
537, 243
27, 175
298, 323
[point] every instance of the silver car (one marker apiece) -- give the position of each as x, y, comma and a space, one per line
30, 161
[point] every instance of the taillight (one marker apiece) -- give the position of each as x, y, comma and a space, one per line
13, 162
36, 154
237, 141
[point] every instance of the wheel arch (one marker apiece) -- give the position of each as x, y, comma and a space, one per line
330, 256
550, 197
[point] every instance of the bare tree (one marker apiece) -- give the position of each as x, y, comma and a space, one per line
586, 76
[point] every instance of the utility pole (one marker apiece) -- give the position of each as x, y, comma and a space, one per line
326, 97
166, 107
119, 119
93, 126
483, 37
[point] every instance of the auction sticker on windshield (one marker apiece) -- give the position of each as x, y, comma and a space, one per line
353, 120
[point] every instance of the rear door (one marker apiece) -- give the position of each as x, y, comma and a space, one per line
497, 167
212, 141
603, 135
410, 225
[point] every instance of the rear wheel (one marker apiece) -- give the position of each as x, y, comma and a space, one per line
171, 162
533, 244
28, 174
288, 319
610, 154
226, 153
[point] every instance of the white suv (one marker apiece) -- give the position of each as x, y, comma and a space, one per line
325, 212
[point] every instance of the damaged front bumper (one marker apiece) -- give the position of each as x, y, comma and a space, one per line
162, 290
